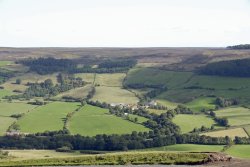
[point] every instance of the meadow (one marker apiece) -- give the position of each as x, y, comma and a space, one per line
4, 92
235, 115
8, 109
5, 63
5, 122
207, 103
240, 132
80, 93
49, 117
188, 122
91, 120
114, 95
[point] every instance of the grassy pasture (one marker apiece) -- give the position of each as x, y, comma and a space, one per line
168, 104
4, 92
188, 122
247, 129
49, 117
5, 63
8, 109
155, 111
39, 154
81, 92
235, 115
189, 148
110, 79
229, 132
114, 95
240, 151
5, 122
140, 119
87, 77
201, 103
151, 76
91, 120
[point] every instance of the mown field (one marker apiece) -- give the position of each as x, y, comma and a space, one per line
46, 118
240, 132
91, 120
5, 122
188, 122
114, 95
8, 109
235, 115
80, 93
4, 92
207, 103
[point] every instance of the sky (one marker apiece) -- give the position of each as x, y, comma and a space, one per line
124, 23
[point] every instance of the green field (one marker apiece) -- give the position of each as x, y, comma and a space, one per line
188, 122
153, 76
91, 120
189, 148
198, 104
235, 115
168, 104
115, 79
46, 118
155, 111
247, 129
81, 92
8, 109
229, 132
4, 93
114, 95
5, 63
184, 87
87, 77
5, 122
240, 151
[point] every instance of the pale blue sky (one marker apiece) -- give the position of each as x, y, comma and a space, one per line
124, 23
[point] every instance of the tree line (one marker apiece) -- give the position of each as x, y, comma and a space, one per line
242, 46
51, 65
234, 68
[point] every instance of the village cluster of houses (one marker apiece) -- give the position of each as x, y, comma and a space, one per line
134, 106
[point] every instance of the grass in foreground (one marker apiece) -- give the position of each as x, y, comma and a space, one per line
91, 120
49, 117
240, 151
189, 148
229, 132
114, 95
135, 158
4, 93
188, 122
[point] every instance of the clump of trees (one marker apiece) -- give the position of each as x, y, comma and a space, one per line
222, 102
49, 65
47, 88
235, 68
